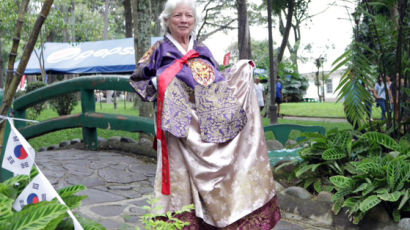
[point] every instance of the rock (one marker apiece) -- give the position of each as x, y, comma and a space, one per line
42, 149
52, 147
75, 141
278, 187
128, 140
64, 143
115, 138
274, 145
298, 192
101, 139
377, 214
291, 144
324, 196
404, 224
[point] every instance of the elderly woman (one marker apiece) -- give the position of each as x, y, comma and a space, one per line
210, 140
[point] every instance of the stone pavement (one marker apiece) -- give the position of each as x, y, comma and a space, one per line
118, 185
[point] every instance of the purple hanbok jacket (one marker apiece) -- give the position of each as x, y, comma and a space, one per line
199, 86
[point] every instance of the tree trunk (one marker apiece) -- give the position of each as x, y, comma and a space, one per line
16, 41
141, 10
156, 9
1, 68
28, 49
285, 38
272, 77
128, 18
244, 38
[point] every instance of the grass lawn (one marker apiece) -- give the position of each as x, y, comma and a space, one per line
316, 109
299, 109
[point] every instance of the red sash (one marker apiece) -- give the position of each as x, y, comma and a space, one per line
164, 79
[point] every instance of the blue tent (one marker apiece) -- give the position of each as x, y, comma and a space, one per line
110, 56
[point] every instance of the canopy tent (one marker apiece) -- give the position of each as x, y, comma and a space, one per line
110, 56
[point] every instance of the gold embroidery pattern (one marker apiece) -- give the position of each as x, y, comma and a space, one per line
202, 72
147, 55
175, 115
221, 118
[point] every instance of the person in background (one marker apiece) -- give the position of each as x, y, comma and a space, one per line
380, 95
279, 95
210, 139
260, 93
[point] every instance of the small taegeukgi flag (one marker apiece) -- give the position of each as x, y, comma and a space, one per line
40, 189
18, 155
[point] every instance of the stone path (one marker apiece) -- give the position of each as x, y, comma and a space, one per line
118, 185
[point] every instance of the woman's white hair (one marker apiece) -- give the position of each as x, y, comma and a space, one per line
170, 6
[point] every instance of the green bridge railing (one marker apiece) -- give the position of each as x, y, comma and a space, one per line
88, 119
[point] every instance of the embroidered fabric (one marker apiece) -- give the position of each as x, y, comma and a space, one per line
175, 114
221, 118
264, 218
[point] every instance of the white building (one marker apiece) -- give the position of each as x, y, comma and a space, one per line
332, 83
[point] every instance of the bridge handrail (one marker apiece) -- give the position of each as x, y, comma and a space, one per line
87, 119
99, 82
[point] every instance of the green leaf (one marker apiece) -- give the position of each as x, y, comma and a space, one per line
337, 206
6, 205
71, 190
392, 197
362, 187
304, 169
382, 139
74, 201
37, 217
369, 203
342, 182
334, 154
350, 202
396, 215
318, 185
404, 199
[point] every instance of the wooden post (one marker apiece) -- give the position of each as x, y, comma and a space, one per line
88, 105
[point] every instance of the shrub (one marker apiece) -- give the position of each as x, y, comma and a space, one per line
64, 104
34, 111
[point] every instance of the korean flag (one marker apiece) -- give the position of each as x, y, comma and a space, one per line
39, 189
18, 155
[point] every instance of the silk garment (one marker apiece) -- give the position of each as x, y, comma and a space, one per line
225, 181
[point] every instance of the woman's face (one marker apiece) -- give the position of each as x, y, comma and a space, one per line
181, 22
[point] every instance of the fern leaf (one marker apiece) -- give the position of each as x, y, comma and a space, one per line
20, 179
382, 139
6, 208
333, 154
71, 190
391, 197
36, 217
369, 203
74, 201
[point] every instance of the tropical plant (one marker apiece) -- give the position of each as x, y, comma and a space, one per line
377, 180
294, 85
43, 215
166, 221
362, 170
380, 27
